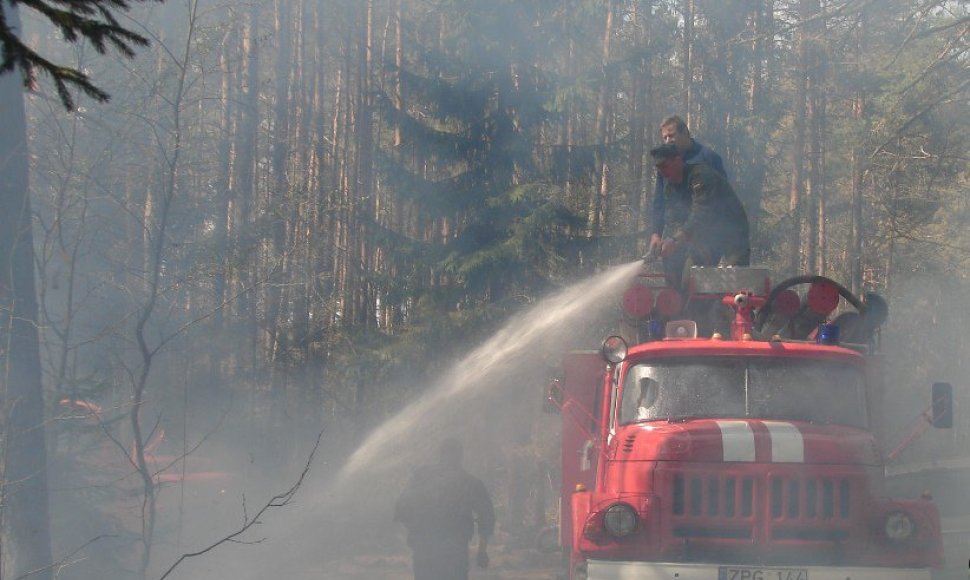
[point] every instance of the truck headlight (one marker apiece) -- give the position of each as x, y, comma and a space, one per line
620, 520
899, 526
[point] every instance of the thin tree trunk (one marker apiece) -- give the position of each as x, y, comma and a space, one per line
364, 186
751, 175
819, 184
567, 132
815, 78
25, 543
687, 79
276, 295
858, 167
344, 155
224, 222
156, 227
326, 167
638, 131
597, 200
246, 144
398, 64
796, 190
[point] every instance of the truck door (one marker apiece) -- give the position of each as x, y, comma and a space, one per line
581, 388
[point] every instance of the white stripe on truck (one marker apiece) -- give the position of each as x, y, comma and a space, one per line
787, 445
737, 439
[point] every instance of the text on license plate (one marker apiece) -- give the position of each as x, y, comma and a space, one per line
748, 573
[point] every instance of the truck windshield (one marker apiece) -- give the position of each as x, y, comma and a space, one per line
788, 389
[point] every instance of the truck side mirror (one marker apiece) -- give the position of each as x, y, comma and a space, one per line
942, 405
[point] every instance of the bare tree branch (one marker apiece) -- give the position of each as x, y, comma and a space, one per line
279, 500
66, 560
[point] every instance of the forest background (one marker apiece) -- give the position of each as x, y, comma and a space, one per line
292, 215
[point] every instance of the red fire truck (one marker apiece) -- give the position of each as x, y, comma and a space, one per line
736, 441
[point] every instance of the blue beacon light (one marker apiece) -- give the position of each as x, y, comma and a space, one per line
827, 334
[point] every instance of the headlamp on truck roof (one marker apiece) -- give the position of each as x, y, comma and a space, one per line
899, 526
620, 520
614, 349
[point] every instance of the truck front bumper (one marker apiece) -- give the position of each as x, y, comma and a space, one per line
610, 570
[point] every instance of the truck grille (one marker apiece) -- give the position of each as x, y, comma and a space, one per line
713, 496
810, 498
712, 506
771, 507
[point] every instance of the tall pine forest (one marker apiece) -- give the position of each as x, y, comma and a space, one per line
293, 215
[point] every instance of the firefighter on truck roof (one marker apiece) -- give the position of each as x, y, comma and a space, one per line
704, 221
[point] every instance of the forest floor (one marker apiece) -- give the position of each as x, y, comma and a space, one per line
507, 563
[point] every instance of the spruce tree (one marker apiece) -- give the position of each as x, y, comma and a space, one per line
76, 20
468, 118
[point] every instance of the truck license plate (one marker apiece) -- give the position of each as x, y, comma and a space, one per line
750, 573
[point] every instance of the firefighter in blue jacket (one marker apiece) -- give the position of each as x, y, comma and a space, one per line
704, 223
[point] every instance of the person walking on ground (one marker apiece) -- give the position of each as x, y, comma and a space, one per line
440, 508
704, 221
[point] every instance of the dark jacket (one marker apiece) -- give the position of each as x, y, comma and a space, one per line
696, 153
442, 500
705, 207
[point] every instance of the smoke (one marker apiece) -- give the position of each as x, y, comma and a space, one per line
924, 342
490, 366
489, 398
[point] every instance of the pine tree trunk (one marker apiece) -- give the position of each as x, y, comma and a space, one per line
638, 133
819, 190
223, 215
751, 175
276, 294
364, 185
25, 543
246, 139
597, 200
796, 189
687, 78
858, 165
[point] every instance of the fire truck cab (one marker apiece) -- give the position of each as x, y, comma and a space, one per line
736, 444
